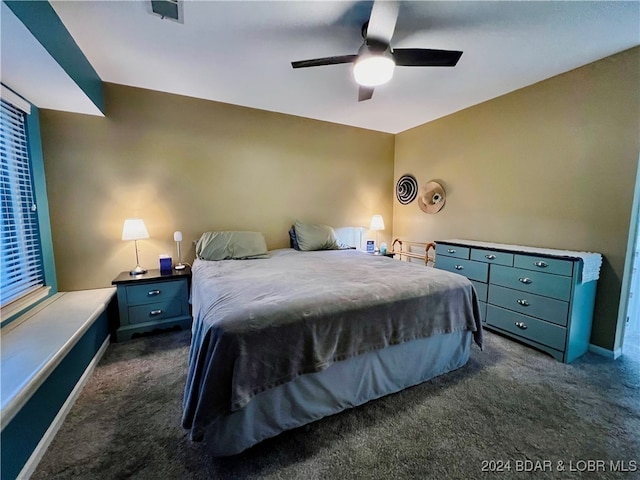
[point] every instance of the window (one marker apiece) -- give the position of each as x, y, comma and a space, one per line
22, 270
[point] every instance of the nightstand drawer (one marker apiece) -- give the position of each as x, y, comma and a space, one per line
544, 264
489, 256
444, 249
473, 270
153, 312
155, 292
527, 327
545, 308
539, 283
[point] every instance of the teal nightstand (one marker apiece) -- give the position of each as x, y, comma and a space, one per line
152, 301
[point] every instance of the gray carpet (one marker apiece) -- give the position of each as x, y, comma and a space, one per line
510, 403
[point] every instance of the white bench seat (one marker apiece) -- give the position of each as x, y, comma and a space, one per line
33, 349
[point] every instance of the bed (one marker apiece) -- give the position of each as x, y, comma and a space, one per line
291, 337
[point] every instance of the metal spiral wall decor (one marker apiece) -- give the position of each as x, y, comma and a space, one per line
406, 189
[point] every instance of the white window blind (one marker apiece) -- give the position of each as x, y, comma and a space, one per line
21, 269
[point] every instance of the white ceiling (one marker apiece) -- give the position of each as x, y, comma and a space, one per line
25, 63
239, 52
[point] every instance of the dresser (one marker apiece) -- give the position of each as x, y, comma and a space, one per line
152, 301
539, 296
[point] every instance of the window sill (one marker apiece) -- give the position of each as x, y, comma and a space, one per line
21, 305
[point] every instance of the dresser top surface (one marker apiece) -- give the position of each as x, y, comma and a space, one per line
591, 261
552, 252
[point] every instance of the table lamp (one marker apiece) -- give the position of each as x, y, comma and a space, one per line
377, 224
135, 230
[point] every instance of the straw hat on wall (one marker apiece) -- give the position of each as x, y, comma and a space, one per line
431, 197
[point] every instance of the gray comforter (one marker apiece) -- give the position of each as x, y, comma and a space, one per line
261, 323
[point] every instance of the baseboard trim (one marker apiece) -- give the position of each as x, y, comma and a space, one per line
31, 464
610, 354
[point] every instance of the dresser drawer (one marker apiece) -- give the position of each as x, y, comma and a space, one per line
481, 290
473, 270
545, 308
544, 264
483, 312
490, 256
527, 327
153, 312
155, 292
545, 284
451, 250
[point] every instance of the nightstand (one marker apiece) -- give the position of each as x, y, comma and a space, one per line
388, 254
154, 300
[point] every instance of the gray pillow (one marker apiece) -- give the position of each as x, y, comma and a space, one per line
317, 237
231, 245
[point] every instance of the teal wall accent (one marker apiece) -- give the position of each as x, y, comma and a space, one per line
40, 190
21, 436
45, 25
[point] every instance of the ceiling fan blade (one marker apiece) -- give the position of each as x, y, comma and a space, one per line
318, 62
365, 93
424, 57
382, 21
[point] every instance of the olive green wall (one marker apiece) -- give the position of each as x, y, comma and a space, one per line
193, 165
550, 165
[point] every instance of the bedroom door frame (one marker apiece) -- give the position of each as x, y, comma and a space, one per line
630, 307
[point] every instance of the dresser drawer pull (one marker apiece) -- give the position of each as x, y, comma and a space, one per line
153, 293
153, 313
490, 257
450, 250
525, 280
522, 302
459, 267
521, 325
541, 264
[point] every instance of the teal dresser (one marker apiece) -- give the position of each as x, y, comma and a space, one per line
541, 297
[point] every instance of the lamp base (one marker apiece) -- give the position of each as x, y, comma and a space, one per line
179, 267
138, 270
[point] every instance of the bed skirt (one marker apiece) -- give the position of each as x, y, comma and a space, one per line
342, 385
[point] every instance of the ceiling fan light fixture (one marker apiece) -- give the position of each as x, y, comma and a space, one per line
373, 70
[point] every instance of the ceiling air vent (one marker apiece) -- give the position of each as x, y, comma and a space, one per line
171, 9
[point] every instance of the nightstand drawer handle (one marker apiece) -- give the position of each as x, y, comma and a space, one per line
522, 302
521, 325
459, 267
525, 280
541, 264
450, 250
153, 293
490, 257
153, 313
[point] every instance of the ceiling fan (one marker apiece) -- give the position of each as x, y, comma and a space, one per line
375, 61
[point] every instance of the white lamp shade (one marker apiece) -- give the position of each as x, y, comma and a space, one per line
134, 229
177, 236
377, 223
373, 70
